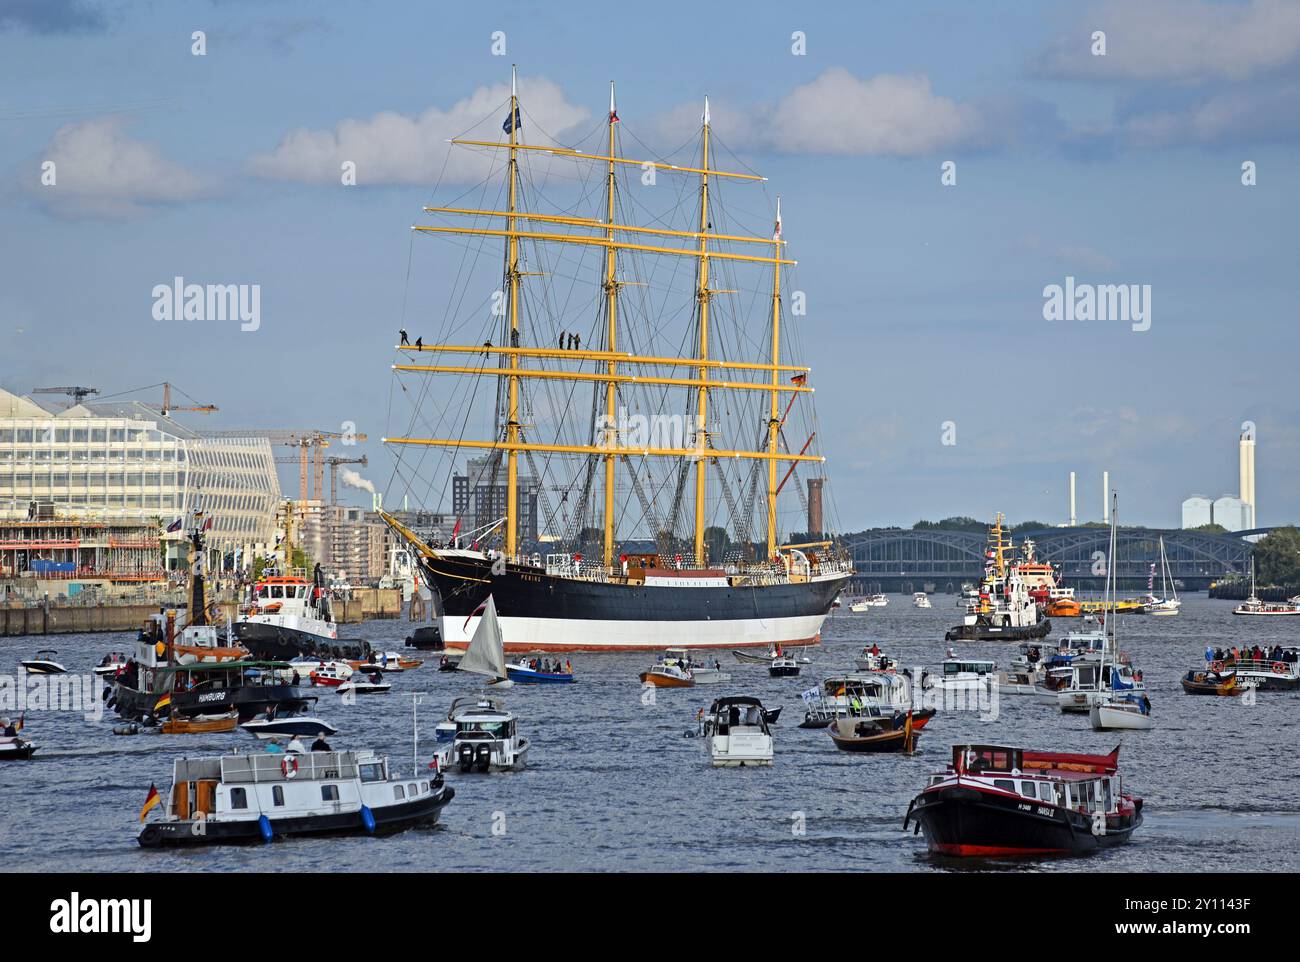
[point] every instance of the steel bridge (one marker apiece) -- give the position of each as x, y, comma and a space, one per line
937, 560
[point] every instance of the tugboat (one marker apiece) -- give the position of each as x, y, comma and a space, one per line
737, 734
290, 616
262, 796
1005, 609
997, 802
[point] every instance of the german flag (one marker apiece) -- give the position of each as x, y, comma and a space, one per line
163, 702
153, 799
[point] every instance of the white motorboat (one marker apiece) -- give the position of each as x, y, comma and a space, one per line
15, 748
860, 606
965, 674
737, 734
43, 663
484, 738
701, 673
871, 659
302, 726
1018, 681
262, 796
111, 664
709, 675
921, 600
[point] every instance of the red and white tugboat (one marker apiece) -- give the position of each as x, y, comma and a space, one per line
995, 802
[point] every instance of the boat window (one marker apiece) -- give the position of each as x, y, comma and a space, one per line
1107, 798
1028, 790
239, 798
329, 793
277, 794
399, 792
424, 786
277, 591
1005, 784
372, 772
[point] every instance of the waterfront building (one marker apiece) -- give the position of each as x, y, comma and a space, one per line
125, 461
478, 498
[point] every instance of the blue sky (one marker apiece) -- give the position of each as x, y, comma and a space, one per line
925, 301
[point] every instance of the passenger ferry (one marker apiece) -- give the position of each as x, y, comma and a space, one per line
262, 796
1265, 674
995, 802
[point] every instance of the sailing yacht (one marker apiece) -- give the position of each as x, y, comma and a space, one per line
1254, 606
1121, 701
1163, 605
723, 445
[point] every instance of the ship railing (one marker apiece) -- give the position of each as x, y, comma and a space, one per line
270, 767
1267, 666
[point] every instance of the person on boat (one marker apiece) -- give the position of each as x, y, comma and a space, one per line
10, 730
296, 745
320, 744
568, 668
875, 650
1209, 653
295, 680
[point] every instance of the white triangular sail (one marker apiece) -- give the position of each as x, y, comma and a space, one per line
486, 653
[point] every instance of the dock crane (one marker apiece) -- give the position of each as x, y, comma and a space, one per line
304, 441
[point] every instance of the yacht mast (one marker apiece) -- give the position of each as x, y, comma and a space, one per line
702, 293
610, 438
512, 278
773, 423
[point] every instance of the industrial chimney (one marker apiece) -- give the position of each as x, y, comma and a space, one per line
1105, 497
1246, 473
1073, 518
815, 506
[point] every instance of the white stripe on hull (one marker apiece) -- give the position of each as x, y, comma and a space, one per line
579, 634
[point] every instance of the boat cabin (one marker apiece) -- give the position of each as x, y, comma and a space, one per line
1083, 783
954, 668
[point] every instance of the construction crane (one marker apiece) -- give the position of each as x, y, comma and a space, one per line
167, 407
334, 472
304, 441
78, 394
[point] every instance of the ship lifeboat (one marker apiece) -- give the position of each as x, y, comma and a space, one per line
201, 654
1064, 608
201, 724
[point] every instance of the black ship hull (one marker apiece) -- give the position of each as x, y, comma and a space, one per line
543, 612
267, 642
968, 821
251, 701
984, 632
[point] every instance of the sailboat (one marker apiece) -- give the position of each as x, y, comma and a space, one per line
1164, 605
486, 654
1254, 606
710, 433
1121, 702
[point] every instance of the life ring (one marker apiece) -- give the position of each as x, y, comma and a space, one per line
1279, 668
1216, 666
289, 766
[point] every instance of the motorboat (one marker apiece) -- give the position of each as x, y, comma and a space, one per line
364, 687
894, 733
736, 733
14, 748
666, 675
324, 674
299, 726
445, 730
522, 671
1018, 681
765, 658
263, 796
43, 663
862, 694
921, 600
783, 666
965, 674
485, 739
872, 659
702, 673
200, 724
995, 802
110, 664
289, 615
1210, 682
426, 638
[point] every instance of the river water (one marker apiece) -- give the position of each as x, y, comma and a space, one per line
614, 784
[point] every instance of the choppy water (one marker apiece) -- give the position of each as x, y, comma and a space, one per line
613, 784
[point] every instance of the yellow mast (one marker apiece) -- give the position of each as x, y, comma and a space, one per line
773, 424
702, 402
512, 404
611, 310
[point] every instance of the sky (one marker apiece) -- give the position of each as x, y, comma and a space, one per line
925, 320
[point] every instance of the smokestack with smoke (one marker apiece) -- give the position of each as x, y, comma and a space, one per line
354, 480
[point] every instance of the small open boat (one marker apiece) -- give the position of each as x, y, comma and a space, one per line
667, 676
200, 724
875, 735
110, 664
1212, 683
521, 672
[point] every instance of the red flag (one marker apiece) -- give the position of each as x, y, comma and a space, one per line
207, 524
799, 378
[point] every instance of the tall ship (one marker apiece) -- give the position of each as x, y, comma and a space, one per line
636, 409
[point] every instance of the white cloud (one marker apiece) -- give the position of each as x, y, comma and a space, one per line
839, 113
101, 171
394, 148
1177, 40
